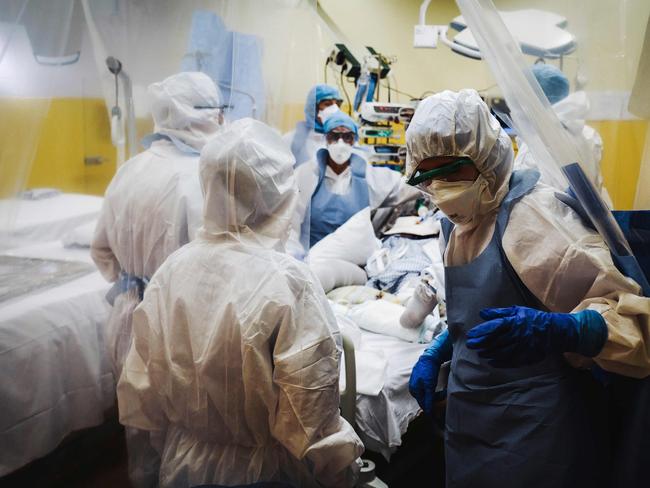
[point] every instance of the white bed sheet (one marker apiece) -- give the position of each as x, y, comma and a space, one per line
24, 222
56, 377
383, 419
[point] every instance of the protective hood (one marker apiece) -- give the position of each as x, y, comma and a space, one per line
316, 95
553, 82
247, 179
186, 106
460, 124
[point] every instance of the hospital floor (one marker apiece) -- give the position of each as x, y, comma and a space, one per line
418, 462
96, 458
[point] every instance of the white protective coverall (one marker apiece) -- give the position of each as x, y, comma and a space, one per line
572, 111
566, 265
153, 204
234, 360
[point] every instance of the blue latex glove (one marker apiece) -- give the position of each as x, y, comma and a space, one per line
516, 336
424, 376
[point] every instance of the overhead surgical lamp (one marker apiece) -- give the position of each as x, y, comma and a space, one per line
539, 33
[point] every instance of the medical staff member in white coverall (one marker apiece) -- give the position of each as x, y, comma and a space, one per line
234, 362
153, 206
571, 110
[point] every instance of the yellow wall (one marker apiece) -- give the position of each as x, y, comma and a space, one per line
623, 142
20, 128
74, 129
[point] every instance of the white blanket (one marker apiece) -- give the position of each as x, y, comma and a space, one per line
56, 377
384, 418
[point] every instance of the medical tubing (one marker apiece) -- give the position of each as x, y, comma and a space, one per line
345, 92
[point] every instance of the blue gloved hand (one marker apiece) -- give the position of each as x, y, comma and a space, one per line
424, 376
516, 336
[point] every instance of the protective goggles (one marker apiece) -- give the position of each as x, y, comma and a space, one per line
221, 108
420, 176
332, 137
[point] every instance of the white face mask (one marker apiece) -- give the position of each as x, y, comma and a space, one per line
327, 112
459, 200
340, 151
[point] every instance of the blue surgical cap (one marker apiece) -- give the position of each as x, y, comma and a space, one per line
340, 120
554, 83
326, 92
316, 95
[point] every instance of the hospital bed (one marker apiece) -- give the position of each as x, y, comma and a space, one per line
381, 420
56, 376
374, 393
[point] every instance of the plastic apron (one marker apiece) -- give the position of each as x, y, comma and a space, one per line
628, 398
329, 210
532, 426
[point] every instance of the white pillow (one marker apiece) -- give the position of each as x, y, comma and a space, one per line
81, 236
333, 273
353, 242
382, 317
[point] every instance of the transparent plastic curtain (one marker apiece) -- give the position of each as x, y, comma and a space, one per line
146, 41
295, 46
265, 59
534, 119
640, 106
31, 31
263, 55
609, 39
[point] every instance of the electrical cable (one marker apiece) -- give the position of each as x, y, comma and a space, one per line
401, 92
339, 83
388, 86
347, 97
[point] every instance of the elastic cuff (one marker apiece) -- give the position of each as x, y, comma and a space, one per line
592, 334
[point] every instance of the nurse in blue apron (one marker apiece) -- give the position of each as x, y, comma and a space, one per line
533, 301
342, 189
